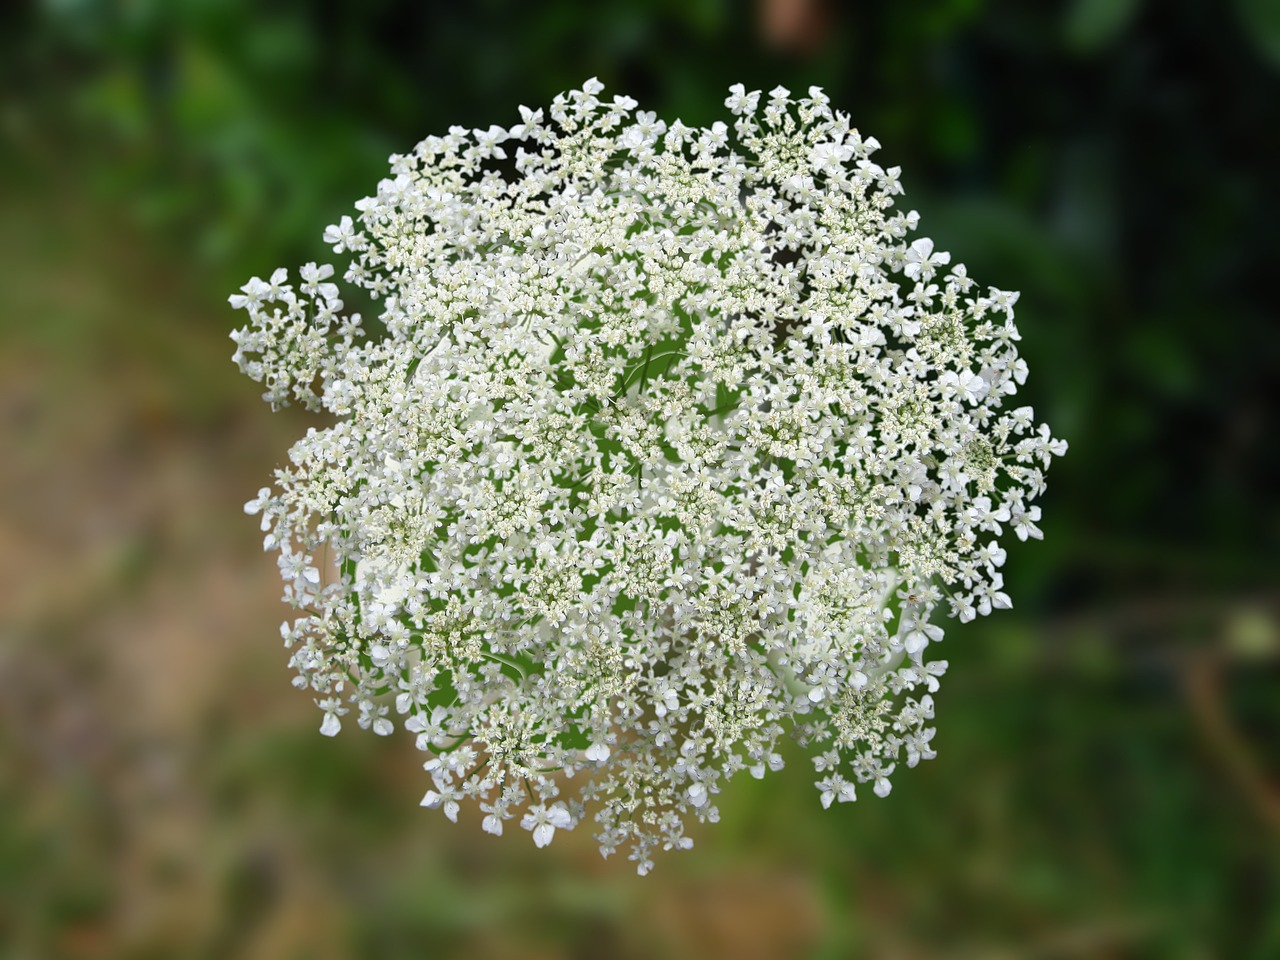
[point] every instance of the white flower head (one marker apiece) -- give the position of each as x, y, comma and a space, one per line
669, 444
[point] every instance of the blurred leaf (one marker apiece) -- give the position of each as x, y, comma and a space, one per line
1093, 24
1262, 24
1162, 362
209, 97
117, 101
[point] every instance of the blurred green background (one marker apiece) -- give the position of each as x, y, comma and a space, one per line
1108, 782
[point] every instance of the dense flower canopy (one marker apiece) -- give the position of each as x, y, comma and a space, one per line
666, 445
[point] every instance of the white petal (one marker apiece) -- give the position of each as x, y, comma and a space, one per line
543, 833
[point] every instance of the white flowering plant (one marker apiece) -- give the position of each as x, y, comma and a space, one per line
668, 444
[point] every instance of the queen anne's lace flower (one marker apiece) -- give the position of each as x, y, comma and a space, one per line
667, 444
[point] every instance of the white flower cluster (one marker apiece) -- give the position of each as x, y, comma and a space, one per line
666, 446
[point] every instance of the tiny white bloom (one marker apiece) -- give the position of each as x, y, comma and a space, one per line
543, 821
836, 787
921, 260
597, 752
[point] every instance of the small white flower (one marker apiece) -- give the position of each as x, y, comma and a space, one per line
919, 638
597, 752
543, 821
829, 158
1024, 525
836, 787
331, 725
922, 261
488, 141
341, 236
741, 103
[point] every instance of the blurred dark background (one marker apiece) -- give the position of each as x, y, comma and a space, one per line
1108, 783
